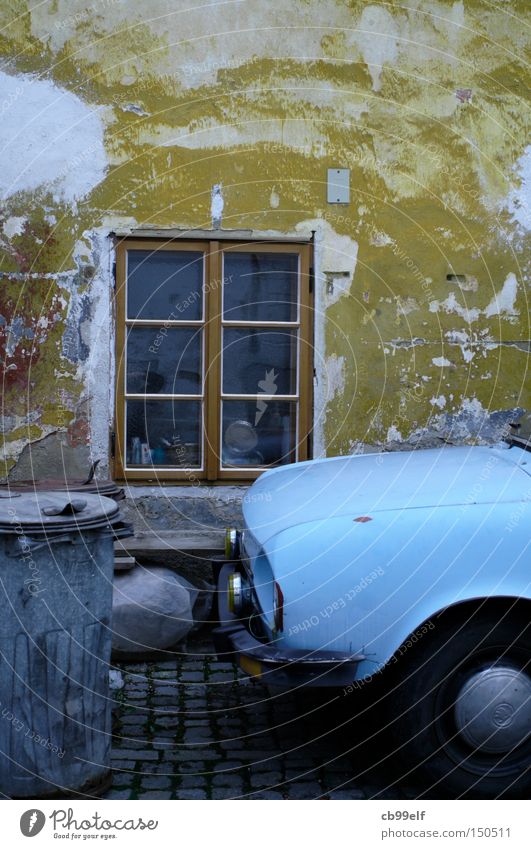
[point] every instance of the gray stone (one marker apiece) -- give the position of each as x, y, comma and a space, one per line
268, 794
192, 782
266, 779
344, 794
310, 790
152, 609
225, 793
192, 677
155, 794
190, 794
235, 782
134, 719
133, 732
136, 755
122, 767
156, 782
117, 794
116, 680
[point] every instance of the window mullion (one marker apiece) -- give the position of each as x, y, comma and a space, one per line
304, 365
213, 359
121, 330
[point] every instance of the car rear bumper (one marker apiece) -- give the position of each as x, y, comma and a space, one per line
273, 664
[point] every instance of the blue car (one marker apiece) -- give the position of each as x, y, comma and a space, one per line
408, 568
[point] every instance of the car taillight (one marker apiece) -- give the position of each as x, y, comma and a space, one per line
278, 607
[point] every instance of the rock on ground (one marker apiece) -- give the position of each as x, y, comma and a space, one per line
152, 609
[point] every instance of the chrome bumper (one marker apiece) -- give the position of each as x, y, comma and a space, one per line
279, 666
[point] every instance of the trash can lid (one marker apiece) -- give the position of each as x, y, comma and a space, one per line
45, 512
107, 488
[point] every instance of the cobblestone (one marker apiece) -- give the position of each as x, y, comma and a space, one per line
136, 755
156, 782
193, 728
191, 794
155, 794
304, 790
191, 782
269, 794
265, 779
232, 781
118, 794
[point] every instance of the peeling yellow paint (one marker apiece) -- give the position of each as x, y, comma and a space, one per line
424, 103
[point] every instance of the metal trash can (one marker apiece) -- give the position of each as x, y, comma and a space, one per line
56, 579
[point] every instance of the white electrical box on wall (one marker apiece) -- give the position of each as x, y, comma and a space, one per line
338, 185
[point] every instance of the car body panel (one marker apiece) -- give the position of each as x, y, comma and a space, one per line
363, 566
354, 485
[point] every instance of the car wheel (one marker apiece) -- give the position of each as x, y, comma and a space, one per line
461, 712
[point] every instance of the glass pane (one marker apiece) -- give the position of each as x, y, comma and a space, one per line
163, 433
165, 285
257, 361
258, 433
260, 286
162, 359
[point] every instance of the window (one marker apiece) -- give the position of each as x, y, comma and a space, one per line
213, 358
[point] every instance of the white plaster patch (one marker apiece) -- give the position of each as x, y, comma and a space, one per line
135, 109
459, 337
82, 251
216, 205
97, 372
441, 362
14, 226
406, 305
519, 201
337, 259
380, 239
209, 133
334, 375
274, 199
377, 41
472, 406
49, 139
468, 283
439, 401
503, 302
393, 434
452, 305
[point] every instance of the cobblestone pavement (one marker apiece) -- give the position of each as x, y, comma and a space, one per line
196, 728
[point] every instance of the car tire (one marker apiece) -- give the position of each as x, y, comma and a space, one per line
460, 713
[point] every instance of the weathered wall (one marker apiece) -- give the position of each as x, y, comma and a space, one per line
118, 113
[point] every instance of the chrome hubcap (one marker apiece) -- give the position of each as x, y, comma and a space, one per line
493, 709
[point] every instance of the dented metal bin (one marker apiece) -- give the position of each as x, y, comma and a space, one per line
56, 573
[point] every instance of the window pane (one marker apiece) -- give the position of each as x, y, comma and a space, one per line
259, 361
163, 433
258, 433
260, 286
165, 285
167, 360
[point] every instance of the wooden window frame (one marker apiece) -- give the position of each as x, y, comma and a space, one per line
213, 322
